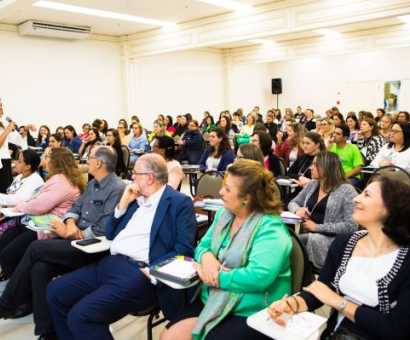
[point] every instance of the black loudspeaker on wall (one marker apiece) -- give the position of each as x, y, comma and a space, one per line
276, 85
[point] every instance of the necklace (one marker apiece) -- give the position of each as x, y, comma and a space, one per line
375, 255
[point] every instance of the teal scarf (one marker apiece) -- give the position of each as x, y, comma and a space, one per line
236, 254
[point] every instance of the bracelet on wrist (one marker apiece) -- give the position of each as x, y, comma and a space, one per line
297, 304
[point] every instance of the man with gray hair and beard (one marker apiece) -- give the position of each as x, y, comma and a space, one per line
151, 223
46, 259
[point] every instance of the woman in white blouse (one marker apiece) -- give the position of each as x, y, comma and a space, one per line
397, 152
26, 182
248, 127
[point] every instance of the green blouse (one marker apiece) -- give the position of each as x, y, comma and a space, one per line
266, 277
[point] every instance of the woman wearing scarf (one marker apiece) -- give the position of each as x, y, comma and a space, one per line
243, 260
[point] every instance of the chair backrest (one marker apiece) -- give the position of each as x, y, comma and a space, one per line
210, 183
125, 156
395, 172
283, 170
299, 264
278, 191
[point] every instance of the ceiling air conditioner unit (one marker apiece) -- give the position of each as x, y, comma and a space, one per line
51, 30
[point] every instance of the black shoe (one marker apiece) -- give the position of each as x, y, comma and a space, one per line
22, 311
6, 313
49, 336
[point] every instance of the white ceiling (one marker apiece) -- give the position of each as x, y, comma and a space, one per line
177, 11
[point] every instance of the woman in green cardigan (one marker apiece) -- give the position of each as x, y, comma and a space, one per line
209, 125
243, 260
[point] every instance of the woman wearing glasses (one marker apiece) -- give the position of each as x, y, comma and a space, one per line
138, 143
64, 185
26, 181
366, 277
397, 152
326, 206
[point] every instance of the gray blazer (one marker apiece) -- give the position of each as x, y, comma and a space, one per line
338, 218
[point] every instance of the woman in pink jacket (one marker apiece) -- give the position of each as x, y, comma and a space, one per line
64, 185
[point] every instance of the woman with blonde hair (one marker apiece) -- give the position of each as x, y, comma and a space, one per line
64, 185
292, 148
327, 127
159, 130
250, 124
138, 143
234, 260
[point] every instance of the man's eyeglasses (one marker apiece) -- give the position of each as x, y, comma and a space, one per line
239, 157
91, 157
133, 172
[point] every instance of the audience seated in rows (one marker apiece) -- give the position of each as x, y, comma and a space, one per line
46, 259
325, 205
63, 186
234, 260
85, 302
366, 277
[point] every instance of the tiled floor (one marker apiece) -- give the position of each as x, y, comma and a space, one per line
128, 328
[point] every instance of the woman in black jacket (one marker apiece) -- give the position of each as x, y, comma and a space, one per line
192, 144
114, 140
366, 277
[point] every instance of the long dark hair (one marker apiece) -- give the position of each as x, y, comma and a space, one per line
70, 128
228, 126
224, 146
405, 127
97, 139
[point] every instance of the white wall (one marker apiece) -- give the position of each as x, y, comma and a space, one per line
250, 87
356, 80
178, 83
59, 82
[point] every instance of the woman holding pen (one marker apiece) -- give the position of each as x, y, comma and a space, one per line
366, 277
240, 274
326, 206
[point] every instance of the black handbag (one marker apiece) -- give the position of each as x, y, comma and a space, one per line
344, 334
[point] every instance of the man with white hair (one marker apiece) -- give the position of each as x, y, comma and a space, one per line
151, 223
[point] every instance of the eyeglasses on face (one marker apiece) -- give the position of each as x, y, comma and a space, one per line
395, 131
92, 157
133, 172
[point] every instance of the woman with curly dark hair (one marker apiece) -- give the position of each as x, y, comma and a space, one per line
366, 277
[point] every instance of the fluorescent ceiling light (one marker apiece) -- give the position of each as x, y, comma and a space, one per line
236, 6
404, 18
6, 3
264, 42
327, 32
99, 13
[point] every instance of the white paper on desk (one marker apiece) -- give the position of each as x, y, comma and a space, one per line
302, 324
8, 212
213, 201
179, 268
201, 218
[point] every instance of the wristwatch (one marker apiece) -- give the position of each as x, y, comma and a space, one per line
342, 305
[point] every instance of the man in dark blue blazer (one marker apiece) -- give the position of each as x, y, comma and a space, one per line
152, 223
